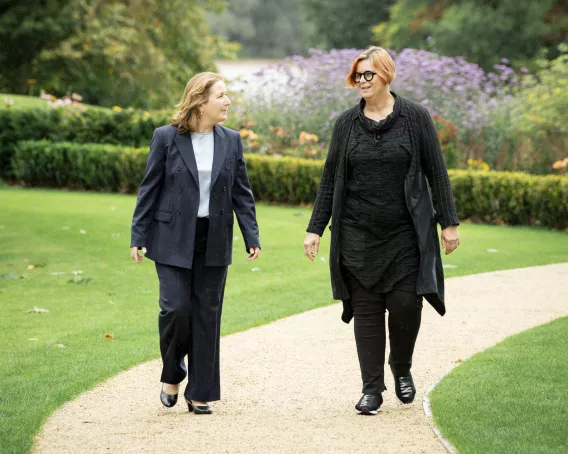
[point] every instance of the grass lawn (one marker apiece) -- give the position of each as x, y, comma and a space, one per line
43, 233
30, 102
23, 102
509, 398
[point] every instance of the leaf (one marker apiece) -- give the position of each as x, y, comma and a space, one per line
64, 227
83, 232
110, 302
492, 250
79, 281
58, 345
459, 361
32, 339
255, 269
37, 310
31, 267
59, 273
108, 336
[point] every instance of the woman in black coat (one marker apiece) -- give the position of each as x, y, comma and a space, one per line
384, 253
195, 179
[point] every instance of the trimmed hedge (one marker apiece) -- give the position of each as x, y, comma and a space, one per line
130, 127
493, 197
88, 166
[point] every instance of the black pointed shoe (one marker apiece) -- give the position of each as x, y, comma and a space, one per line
404, 388
369, 404
168, 400
198, 409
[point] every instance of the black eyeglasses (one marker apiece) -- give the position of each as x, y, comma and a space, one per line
368, 75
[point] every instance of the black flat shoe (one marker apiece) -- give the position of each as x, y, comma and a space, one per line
198, 409
168, 400
404, 388
369, 404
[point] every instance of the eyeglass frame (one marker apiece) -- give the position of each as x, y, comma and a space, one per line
362, 75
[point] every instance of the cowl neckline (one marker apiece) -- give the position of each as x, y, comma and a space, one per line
378, 126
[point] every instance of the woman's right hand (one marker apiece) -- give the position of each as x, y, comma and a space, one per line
311, 245
135, 255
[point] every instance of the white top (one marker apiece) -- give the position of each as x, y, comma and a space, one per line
203, 149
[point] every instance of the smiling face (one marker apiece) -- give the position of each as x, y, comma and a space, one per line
217, 105
368, 89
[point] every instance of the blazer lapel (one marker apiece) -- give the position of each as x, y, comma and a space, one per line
219, 152
185, 147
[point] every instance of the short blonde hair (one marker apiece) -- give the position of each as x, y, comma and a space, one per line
196, 93
380, 59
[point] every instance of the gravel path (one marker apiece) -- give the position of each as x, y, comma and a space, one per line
290, 386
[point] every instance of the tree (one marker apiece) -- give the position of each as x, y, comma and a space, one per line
263, 28
482, 31
340, 24
131, 53
26, 29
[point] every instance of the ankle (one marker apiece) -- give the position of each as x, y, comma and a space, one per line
168, 388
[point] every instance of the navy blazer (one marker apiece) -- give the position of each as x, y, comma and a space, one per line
168, 200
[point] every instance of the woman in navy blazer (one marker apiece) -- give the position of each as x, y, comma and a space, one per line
195, 179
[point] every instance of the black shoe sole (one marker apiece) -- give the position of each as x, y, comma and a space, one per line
368, 412
404, 403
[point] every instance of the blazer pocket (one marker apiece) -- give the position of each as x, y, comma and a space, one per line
229, 162
163, 216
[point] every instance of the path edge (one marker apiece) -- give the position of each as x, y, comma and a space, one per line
430, 416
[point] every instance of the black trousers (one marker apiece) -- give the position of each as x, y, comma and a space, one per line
190, 322
405, 314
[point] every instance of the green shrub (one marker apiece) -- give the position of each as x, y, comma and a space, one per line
493, 197
87, 166
130, 127
511, 198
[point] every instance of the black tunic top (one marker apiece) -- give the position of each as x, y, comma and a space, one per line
378, 243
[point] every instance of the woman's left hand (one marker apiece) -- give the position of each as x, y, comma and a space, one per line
254, 253
450, 239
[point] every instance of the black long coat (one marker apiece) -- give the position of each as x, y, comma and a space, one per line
427, 163
165, 216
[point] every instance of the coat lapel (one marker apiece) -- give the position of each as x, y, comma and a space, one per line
219, 152
185, 147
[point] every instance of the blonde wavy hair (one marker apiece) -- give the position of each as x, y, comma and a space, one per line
196, 93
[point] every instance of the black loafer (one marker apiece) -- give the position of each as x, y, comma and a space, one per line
168, 400
369, 404
404, 388
198, 409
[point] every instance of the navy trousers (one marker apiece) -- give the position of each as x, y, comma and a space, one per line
189, 322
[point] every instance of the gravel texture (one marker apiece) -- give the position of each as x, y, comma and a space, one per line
290, 386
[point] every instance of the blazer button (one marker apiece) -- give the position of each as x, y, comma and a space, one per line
179, 167
180, 189
215, 197
222, 210
224, 188
178, 212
